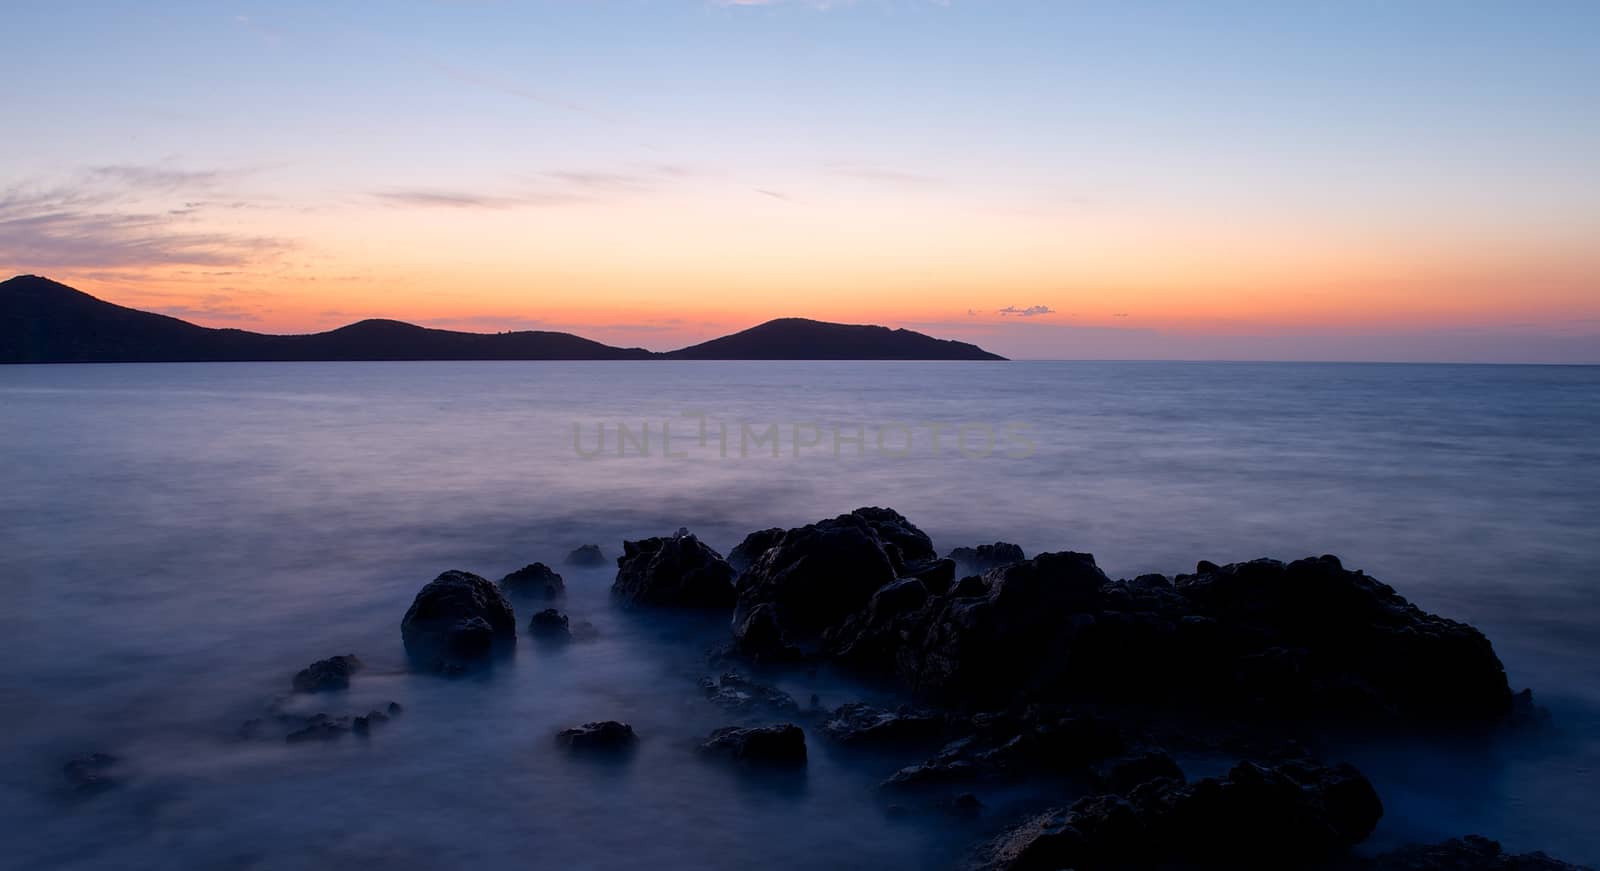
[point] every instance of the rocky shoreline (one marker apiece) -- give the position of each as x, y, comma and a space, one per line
1011, 671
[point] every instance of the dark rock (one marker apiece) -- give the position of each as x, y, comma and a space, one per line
603, 735
91, 774
1471, 853
861, 725
937, 575
587, 556
456, 621
745, 553
759, 638
319, 727
583, 630
394, 709
678, 572
323, 675
811, 580
1009, 747
904, 543
535, 581
1290, 815
1122, 774
783, 745
550, 625
363, 724
1306, 638
736, 694
977, 560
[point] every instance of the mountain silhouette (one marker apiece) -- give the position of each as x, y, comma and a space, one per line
43, 321
802, 339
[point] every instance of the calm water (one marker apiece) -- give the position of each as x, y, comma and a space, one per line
177, 540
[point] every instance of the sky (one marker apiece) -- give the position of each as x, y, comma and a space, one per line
1051, 179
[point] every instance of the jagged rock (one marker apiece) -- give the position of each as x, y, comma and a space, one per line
904, 543
1306, 638
977, 560
1471, 853
1286, 816
587, 556
1015, 746
93, 773
536, 581
679, 572
746, 552
602, 735
328, 674
550, 625
783, 745
812, 579
457, 621
736, 694
862, 725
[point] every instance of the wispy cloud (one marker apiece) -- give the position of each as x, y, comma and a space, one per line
551, 188
61, 229
883, 175
1029, 312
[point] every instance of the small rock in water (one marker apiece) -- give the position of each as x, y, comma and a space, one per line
606, 735
588, 555
736, 694
783, 745
91, 774
319, 727
328, 674
456, 622
550, 625
536, 581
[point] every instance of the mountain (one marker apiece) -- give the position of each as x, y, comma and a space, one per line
802, 339
43, 321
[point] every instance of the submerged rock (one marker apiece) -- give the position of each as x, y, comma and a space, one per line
328, 674
587, 556
1010, 747
678, 572
536, 581
783, 745
457, 621
1289, 815
739, 695
550, 625
862, 725
977, 560
1471, 853
93, 773
601, 735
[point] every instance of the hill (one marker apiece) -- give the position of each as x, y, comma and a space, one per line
43, 321
802, 339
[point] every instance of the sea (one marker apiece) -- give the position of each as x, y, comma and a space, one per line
177, 540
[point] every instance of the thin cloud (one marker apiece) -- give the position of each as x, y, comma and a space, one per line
449, 199
1031, 311
883, 175
56, 230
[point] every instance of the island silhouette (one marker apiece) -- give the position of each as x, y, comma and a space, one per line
45, 321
